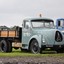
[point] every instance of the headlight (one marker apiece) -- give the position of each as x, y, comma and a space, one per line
43, 40
58, 36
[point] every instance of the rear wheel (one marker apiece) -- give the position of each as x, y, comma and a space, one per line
5, 46
34, 47
9, 46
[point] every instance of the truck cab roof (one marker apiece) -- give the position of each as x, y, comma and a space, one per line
60, 19
32, 19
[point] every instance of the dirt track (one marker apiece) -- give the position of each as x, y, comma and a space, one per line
32, 60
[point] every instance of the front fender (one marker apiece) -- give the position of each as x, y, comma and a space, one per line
38, 38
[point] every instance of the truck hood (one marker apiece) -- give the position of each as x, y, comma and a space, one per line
43, 31
47, 34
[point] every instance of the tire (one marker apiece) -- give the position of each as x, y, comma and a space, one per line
9, 46
34, 47
60, 50
5, 46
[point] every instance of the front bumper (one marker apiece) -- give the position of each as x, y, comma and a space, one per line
53, 46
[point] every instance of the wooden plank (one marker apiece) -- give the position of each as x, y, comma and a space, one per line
4, 33
12, 34
8, 33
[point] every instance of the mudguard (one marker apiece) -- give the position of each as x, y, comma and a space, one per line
38, 38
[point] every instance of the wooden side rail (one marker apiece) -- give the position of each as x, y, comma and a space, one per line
5, 33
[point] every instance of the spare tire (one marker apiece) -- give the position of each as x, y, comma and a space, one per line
58, 36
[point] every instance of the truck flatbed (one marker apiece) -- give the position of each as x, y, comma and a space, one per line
8, 33
11, 34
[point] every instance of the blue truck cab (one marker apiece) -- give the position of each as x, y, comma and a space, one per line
60, 24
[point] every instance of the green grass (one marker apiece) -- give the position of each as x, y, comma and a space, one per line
16, 53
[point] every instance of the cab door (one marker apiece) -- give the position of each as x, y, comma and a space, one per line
26, 33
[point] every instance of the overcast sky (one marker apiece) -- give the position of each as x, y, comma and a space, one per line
12, 12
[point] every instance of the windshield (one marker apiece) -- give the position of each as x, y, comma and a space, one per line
42, 24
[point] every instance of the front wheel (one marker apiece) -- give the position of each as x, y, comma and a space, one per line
34, 47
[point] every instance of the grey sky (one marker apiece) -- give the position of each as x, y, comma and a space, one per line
12, 12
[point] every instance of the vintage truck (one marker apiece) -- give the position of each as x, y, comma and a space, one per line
35, 35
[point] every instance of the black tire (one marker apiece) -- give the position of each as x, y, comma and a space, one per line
9, 46
61, 50
5, 46
34, 47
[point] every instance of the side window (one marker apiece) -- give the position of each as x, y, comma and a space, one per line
60, 23
26, 24
23, 24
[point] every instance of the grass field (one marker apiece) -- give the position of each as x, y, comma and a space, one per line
18, 52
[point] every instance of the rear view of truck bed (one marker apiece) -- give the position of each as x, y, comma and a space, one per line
11, 33
10, 38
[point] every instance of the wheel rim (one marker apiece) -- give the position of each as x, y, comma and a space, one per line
3, 47
35, 48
